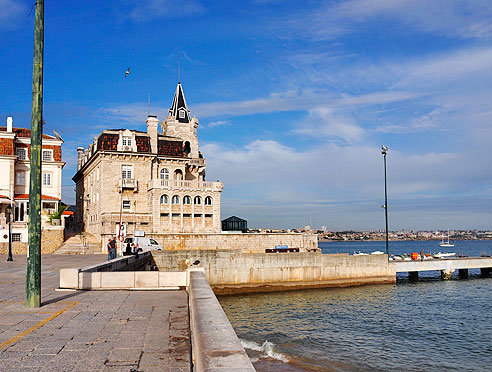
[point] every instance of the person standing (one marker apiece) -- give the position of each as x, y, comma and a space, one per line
112, 249
109, 249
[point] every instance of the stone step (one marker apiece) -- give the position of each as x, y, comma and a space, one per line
84, 243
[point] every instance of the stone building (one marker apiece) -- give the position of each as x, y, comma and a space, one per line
151, 181
15, 154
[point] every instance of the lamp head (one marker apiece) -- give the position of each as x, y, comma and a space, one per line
384, 149
8, 209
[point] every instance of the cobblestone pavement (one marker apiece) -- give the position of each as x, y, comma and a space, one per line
89, 330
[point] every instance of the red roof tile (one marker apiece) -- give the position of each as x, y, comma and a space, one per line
26, 196
24, 132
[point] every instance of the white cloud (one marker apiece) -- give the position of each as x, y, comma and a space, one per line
218, 123
11, 13
458, 18
146, 10
324, 122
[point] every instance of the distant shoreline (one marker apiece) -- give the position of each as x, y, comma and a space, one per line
394, 240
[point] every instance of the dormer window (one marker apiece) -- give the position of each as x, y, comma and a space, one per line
182, 114
47, 155
21, 153
127, 141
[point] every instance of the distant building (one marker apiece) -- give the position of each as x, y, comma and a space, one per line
234, 223
154, 181
15, 154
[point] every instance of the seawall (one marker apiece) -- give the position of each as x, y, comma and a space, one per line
248, 243
238, 272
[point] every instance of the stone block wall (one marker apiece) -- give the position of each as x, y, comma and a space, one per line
247, 243
236, 272
51, 239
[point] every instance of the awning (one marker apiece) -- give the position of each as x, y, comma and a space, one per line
26, 197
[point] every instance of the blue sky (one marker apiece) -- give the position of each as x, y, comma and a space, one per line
294, 98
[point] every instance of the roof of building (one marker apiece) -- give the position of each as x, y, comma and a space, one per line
26, 196
234, 219
4, 197
179, 104
26, 133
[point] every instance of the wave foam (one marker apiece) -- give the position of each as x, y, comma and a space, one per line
266, 348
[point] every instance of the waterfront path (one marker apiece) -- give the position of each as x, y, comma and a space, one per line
89, 330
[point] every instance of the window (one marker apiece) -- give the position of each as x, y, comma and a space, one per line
182, 114
164, 214
46, 179
126, 171
16, 237
47, 155
126, 204
152, 241
175, 199
19, 212
187, 200
197, 200
21, 153
186, 215
208, 200
198, 215
127, 141
20, 178
176, 215
208, 216
164, 199
164, 174
144, 223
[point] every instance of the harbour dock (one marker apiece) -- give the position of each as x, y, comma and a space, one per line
446, 266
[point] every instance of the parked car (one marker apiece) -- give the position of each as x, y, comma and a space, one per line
143, 244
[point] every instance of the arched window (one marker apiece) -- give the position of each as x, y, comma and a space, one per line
208, 200
164, 199
187, 148
197, 200
186, 200
175, 199
178, 175
164, 174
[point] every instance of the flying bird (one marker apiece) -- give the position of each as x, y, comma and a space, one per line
127, 72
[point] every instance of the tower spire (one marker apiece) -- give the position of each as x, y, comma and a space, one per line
179, 108
179, 69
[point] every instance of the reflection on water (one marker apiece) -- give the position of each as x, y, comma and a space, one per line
430, 325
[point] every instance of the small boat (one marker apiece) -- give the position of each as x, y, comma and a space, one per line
377, 252
359, 254
443, 255
446, 243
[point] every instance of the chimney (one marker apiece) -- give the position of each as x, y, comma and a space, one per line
80, 154
152, 130
10, 121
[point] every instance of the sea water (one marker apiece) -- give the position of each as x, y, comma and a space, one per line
429, 325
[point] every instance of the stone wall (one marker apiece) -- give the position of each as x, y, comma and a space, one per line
247, 243
52, 238
235, 272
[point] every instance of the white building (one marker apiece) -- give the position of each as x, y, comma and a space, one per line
15, 146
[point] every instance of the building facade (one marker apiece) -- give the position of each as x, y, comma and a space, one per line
15, 153
151, 181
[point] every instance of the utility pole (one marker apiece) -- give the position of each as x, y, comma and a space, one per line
33, 276
384, 151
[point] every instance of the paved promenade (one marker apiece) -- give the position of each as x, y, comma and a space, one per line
89, 331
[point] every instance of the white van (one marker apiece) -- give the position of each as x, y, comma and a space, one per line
143, 244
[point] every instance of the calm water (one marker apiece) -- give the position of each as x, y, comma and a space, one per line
431, 325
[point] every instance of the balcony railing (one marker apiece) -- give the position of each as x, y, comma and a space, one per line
184, 184
128, 183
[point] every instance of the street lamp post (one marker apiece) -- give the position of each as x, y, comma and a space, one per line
8, 215
384, 151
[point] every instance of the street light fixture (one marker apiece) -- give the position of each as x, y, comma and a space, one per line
8, 215
384, 151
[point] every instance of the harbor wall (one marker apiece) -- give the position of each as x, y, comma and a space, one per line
238, 272
248, 243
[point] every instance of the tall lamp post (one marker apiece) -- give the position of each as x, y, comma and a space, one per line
8, 215
384, 151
